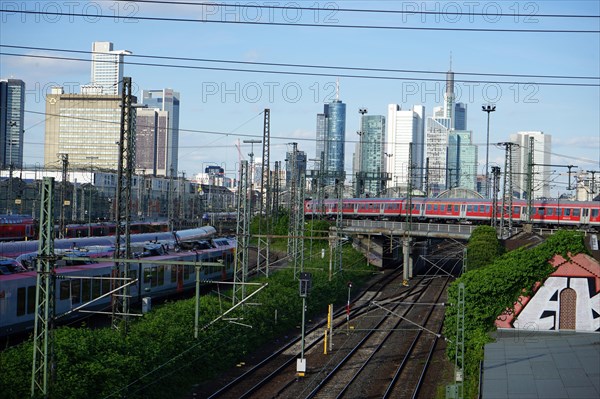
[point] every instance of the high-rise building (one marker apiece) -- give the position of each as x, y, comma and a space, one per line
12, 109
436, 147
166, 100
542, 148
460, 116
84, 126
403, 128
449, 99
462, 160
300, 167
371, 155
151, 141
331, 124
107, 70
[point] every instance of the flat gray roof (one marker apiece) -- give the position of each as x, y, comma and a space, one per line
550, 364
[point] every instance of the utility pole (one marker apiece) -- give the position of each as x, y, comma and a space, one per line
489, 108
265, 199
530, 179
276, 190
63, 194
126, 163
240, 274
43, 362
495, 189
507, 195
171, 201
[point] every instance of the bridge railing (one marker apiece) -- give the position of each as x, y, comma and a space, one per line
421, 229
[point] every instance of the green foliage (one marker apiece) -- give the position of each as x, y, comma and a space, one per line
494, 289
159, 358
483, 247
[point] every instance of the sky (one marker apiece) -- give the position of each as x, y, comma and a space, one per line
220, 107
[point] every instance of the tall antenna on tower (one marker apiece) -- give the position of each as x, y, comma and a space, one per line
337, 89
450, 61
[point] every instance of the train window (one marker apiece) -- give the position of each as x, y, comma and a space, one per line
30, 299
65, 289
21, 298
487, 209
567, 211
455, 208
469, 208
186, 273
428, 207
435, 207
576, 212
75, 291
442, 208
516, 210
105, 283
549, 211
418, 207
86, 286
173, 273
161, 275
594, 213
96, 288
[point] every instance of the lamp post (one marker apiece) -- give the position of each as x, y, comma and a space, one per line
489, 108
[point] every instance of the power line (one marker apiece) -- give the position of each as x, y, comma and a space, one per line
363, 10
308, 73
311, 25
335, 67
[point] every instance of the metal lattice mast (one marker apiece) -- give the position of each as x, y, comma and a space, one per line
126, 164
293, 194
276, 189
243, 236
507, 193
494, 194
63, 194
298, 231
339, 185
264, 174
171, 202
265, 221
44, 295
530, 179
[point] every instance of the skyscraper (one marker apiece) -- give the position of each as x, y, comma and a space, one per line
462, 160
84, 126
403, 128
542, 146
460, 116
331, 124
166, 100
300, 167
12, 108
107, 70
436, 144
371, 153
151, 141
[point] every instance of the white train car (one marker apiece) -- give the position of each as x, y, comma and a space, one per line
80, 284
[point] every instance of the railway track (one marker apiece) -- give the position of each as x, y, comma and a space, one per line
353, 356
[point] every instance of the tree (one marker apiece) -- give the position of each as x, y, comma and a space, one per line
483, 247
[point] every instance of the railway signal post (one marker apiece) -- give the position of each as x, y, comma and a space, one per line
305, 284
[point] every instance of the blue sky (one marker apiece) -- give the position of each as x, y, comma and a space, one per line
231, 102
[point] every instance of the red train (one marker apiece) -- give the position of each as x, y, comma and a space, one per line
550, 213
22, 228
17, 228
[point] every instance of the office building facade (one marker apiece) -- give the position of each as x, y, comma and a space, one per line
12, 111
331, 124
166, 100
405, 130
371, 167
107, 70
461, 160
86, 127
542, 146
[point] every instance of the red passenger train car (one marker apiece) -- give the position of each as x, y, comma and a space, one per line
545, 213
17, 227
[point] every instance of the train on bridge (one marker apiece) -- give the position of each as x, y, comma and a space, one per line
545, 213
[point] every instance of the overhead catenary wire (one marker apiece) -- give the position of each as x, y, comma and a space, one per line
359, 10
299, 24
338, 75
314, 66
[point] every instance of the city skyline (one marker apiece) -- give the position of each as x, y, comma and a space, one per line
226, 103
